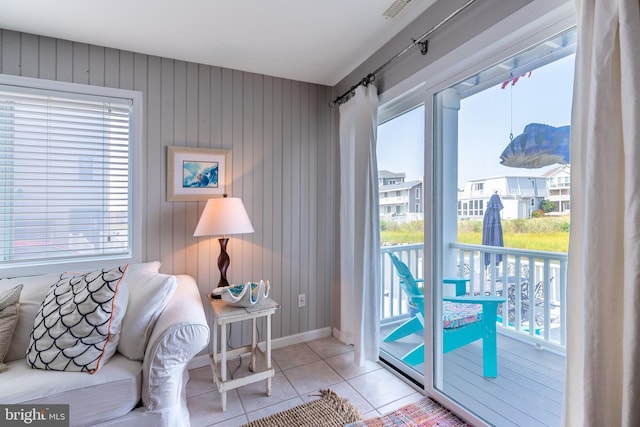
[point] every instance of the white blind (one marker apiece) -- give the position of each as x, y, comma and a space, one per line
64, 176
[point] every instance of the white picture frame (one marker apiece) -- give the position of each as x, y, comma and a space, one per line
197, 174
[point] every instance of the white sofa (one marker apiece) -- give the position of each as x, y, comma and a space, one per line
145, 389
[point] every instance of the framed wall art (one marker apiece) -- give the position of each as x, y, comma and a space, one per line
197, 174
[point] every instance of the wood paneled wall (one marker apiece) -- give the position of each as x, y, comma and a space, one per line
285, 166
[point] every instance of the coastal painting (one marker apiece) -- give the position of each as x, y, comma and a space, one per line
197, 174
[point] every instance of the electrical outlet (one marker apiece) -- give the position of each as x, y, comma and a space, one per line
302, 300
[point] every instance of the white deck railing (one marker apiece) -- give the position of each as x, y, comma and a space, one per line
541, 282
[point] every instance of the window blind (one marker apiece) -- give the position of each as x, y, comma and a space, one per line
64, 175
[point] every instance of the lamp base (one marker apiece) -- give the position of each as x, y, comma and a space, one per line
223, 265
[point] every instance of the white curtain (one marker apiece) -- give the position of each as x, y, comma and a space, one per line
603, 293
359, 225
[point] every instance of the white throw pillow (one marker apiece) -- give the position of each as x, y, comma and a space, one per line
78, 325
151, 267
148, 296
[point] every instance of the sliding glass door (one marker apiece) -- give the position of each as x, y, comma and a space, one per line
502, 142
401, 194
489, 337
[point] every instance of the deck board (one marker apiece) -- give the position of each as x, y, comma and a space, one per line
528, 391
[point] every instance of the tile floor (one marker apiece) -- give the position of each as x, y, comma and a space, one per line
301, 371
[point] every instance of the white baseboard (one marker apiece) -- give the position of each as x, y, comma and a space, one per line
203, 359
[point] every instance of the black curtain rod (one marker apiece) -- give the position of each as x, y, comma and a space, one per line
424, 47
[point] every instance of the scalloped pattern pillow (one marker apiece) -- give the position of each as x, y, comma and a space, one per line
9, 311
78, 325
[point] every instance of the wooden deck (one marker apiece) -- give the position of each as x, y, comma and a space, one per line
528, 391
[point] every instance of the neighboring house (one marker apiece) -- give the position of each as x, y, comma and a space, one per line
559, 184
388, 178
520, 196
399, 200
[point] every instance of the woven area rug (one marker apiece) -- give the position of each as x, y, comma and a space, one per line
424, 413
330, 410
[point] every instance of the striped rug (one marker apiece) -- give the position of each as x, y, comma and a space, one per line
423, 413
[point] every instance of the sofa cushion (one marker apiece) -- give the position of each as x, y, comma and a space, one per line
456, 315
9, 310
148, 295
111, 392
78, 325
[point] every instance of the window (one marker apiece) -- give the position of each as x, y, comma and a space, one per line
478, 186
417, 194
65, 172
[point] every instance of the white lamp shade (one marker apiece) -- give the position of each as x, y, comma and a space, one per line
223, 216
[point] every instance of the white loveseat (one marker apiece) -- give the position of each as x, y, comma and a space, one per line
163, 329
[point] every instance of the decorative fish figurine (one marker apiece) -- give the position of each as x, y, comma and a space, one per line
538, 146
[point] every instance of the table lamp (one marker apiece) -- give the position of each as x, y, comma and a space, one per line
222, 217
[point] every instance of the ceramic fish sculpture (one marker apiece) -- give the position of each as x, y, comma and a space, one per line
538, 146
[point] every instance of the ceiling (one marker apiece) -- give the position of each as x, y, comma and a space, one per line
312, 41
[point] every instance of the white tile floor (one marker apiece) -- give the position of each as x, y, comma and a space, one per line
301, 371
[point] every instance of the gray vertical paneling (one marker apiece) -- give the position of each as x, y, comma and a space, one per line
311, 274
29, 55
64, 60
264, 181
47, 58
126, 70
204, 256
10, 56
96, 65
256, 198
206, 94
287, 214
178, 229
167, 111
244, 264
236, 243
192, 214
140, 83
276, 191
296, 232
154, 162
111, 67
284, 164
303, 249
80, 63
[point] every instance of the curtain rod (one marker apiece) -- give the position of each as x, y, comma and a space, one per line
424, 47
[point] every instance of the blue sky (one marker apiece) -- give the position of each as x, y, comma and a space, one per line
485, 121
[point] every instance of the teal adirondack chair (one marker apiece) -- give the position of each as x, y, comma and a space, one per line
465, 320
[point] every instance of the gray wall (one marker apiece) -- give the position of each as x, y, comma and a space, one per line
284, 166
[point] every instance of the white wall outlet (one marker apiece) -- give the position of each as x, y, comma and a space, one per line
302, 300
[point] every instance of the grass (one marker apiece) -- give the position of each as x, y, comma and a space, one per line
549, 242
549, 234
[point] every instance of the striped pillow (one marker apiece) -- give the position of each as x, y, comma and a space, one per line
9, 311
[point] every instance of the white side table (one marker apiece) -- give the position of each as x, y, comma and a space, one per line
224, 314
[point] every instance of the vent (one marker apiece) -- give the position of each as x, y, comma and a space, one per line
396, 7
